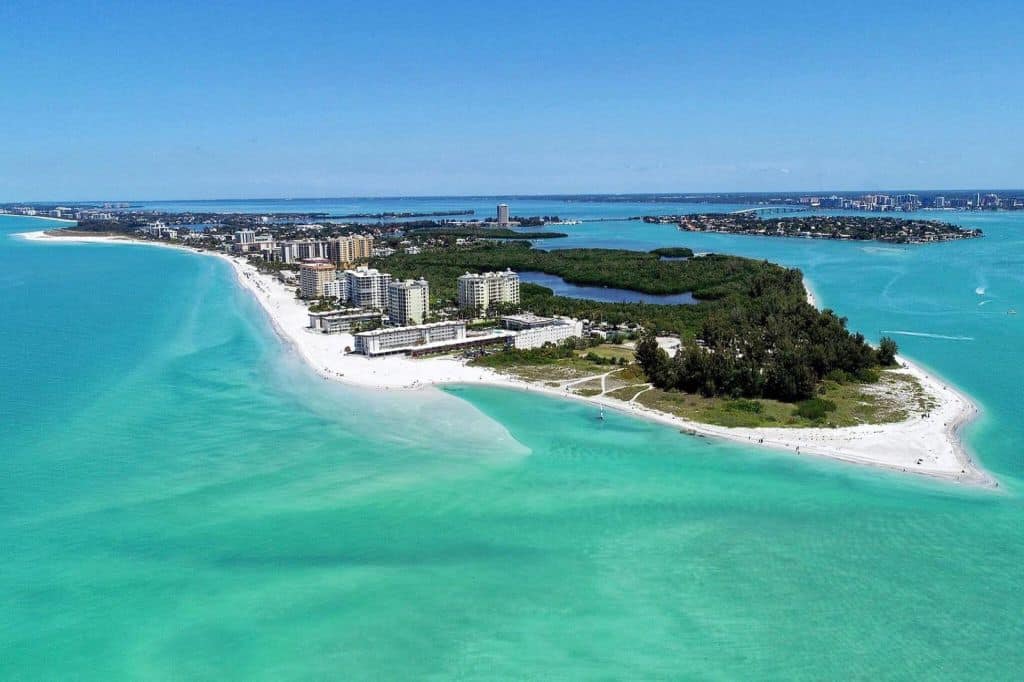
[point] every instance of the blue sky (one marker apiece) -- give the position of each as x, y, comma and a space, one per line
107, 100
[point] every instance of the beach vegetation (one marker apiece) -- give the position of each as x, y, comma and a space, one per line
769, 344
814, 409
673, 252
894, 398
887, 351
751, 335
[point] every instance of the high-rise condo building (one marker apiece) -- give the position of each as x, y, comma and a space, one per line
503, 214
313, 276
349, 249
337, 288
245, 237
302, 249
368, 287
480, 292
408, 302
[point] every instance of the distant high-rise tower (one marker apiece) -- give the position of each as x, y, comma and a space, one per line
503, 214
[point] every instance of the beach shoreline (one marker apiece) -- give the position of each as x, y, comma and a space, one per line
929, 446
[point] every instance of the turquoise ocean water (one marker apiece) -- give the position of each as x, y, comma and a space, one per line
181, 498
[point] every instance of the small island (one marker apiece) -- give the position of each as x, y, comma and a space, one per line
841, 227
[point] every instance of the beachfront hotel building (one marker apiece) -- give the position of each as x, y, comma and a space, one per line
394, 340
535, 332
502, 214
313, 275
408, 301
343, 320
480, 292
367, 287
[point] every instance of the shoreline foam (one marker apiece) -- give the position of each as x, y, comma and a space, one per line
933, 440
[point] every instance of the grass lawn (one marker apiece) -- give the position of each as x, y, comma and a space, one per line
561, 369
626, 393
587, 388
542, 368
607, 350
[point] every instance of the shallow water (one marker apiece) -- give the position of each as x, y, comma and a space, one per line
179, 497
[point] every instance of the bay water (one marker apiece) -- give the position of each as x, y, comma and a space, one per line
181, 497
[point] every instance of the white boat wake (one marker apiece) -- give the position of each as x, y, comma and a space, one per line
928, 336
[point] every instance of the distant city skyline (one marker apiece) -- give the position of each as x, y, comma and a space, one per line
197, 101
928, 194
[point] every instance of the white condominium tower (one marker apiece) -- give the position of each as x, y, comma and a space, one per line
313, 276
368, 287
245, 237
480, 292
408, 302
348, 250
302, 249
503, 214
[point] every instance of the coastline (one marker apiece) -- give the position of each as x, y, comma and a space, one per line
929, 446
39, 217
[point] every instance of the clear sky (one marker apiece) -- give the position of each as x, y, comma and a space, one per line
145, 100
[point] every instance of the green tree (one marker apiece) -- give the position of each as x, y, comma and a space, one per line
886, 353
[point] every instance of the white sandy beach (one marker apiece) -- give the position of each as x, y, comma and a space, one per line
927, 445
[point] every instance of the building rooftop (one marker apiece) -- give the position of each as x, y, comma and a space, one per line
528, 319
364, 271
428, 325
506, 271
316, 264
410, 283
344, 312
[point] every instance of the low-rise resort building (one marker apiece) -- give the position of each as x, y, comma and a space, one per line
533, 331
394, 340
426, 339
344, 320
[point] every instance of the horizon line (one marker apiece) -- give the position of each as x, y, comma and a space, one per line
526, 196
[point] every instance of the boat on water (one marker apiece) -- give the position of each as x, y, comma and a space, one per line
600, 416
1011, 311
